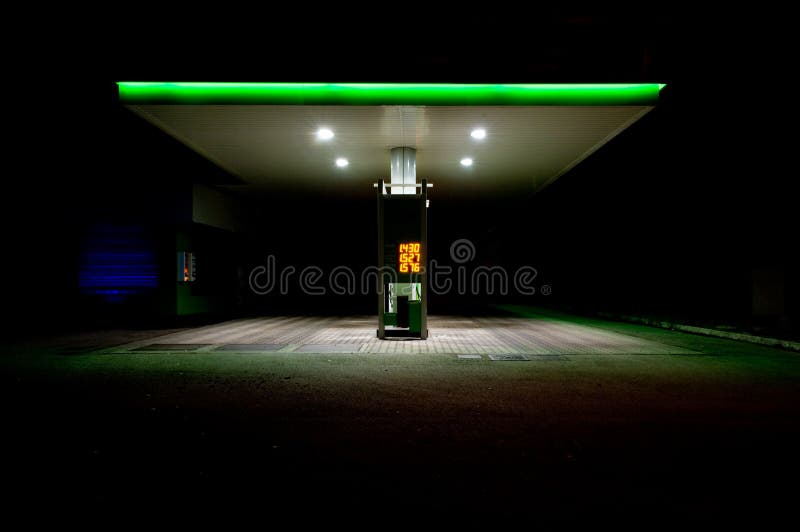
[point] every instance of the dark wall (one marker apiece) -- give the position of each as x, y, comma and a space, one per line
94, 214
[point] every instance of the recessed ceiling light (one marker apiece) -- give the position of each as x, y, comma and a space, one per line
341, 162
324, 134
478, 134
466, 161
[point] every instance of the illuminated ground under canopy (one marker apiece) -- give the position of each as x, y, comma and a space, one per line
449, 335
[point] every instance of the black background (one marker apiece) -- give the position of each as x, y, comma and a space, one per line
670, 218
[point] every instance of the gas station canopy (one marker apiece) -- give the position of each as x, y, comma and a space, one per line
265, 134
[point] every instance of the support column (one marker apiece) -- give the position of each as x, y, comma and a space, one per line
404, 170
379, 283
423, 334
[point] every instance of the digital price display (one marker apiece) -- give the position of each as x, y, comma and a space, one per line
409, 257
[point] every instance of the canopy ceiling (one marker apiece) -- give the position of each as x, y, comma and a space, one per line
265, 134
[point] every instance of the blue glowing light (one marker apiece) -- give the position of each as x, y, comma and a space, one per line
117, 262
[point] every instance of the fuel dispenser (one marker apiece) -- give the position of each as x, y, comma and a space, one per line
402, 256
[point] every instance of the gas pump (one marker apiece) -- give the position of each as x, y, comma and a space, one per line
402, 255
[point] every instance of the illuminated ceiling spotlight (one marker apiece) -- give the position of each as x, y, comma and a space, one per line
478, 134
341, 162
466, 161
324, 133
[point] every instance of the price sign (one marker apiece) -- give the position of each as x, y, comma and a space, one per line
409, 257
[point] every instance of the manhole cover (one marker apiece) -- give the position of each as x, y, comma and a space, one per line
171, 347
470, 357
329, 348
250, 347
508, 358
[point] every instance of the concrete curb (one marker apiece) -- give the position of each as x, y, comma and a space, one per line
742, 337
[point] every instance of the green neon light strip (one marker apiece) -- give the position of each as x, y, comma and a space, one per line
386, 94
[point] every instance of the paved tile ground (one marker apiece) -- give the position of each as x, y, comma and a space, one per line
448, 335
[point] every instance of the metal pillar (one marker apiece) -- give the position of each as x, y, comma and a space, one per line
381, 310
404, 170
424, 274
400, 222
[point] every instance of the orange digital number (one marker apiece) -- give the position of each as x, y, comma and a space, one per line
409, 257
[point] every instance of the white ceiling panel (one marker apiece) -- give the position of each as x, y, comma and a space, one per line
272, 147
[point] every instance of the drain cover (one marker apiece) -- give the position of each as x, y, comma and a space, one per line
329, 348
506, 358
250, 347
171, 347
470, 357
545, 358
